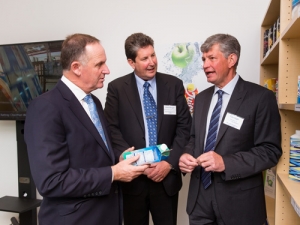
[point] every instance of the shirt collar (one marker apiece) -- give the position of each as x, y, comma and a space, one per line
79, 93
140, 82
228, 88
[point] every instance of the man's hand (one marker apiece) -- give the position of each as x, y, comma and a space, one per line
211, 161
158, 171
125, 171
127, 150
187, 163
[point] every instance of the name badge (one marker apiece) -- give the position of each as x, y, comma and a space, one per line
169, 109
233, 121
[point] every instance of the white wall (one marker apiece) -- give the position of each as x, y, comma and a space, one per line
166, 21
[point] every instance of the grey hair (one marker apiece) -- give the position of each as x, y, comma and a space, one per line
227, 45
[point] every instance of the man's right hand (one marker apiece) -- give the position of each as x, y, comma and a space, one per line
187, 163
124, 171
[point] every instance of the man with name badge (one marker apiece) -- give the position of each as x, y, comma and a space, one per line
235, 136
146, 108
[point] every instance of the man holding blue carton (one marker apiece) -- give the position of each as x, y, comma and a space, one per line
147, 108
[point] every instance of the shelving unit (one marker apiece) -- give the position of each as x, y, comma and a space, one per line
283, 63
26, 203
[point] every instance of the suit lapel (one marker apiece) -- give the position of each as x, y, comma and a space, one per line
103, 122
162, 98
201, 123
81, 115
234, 104
131, 91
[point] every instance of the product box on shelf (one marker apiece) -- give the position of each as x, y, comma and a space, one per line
149, 154
278, 28
272, 85
270, 38
274, 32
294, 170
295, 8
266, 46
270, 178
271, 35
295, 206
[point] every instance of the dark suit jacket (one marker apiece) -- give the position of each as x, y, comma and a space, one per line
123, 111
70, 164
246, 152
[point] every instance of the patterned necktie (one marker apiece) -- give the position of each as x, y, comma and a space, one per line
95, 117
212, 137
151, 114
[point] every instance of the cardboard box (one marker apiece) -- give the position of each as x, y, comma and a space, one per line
270, 178
149, 154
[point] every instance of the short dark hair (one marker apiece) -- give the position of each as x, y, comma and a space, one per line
227, 43
134, 42
73, 48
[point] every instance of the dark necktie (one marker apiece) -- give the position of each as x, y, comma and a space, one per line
212, 137
95, 117
151, 114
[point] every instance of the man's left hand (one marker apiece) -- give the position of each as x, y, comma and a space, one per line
158, 171
211, 161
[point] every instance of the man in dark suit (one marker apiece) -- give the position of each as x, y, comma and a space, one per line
226, 185
71, 159
156, 191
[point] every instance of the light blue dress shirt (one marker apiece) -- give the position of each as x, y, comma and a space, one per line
140, 82
228, 89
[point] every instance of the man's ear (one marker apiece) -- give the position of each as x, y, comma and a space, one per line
76, 68
131, 63
232, 59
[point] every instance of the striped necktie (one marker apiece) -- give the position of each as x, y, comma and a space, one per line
212, 137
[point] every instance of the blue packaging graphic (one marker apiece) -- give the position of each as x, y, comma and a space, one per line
294, 3
294, 171
295, 8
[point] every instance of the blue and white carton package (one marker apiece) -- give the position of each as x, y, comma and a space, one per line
149, 154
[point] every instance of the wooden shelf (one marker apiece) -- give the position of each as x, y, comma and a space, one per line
293, 29
292, 107
272, 13
292, 187
272, 56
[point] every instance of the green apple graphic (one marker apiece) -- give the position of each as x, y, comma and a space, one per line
182, 54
